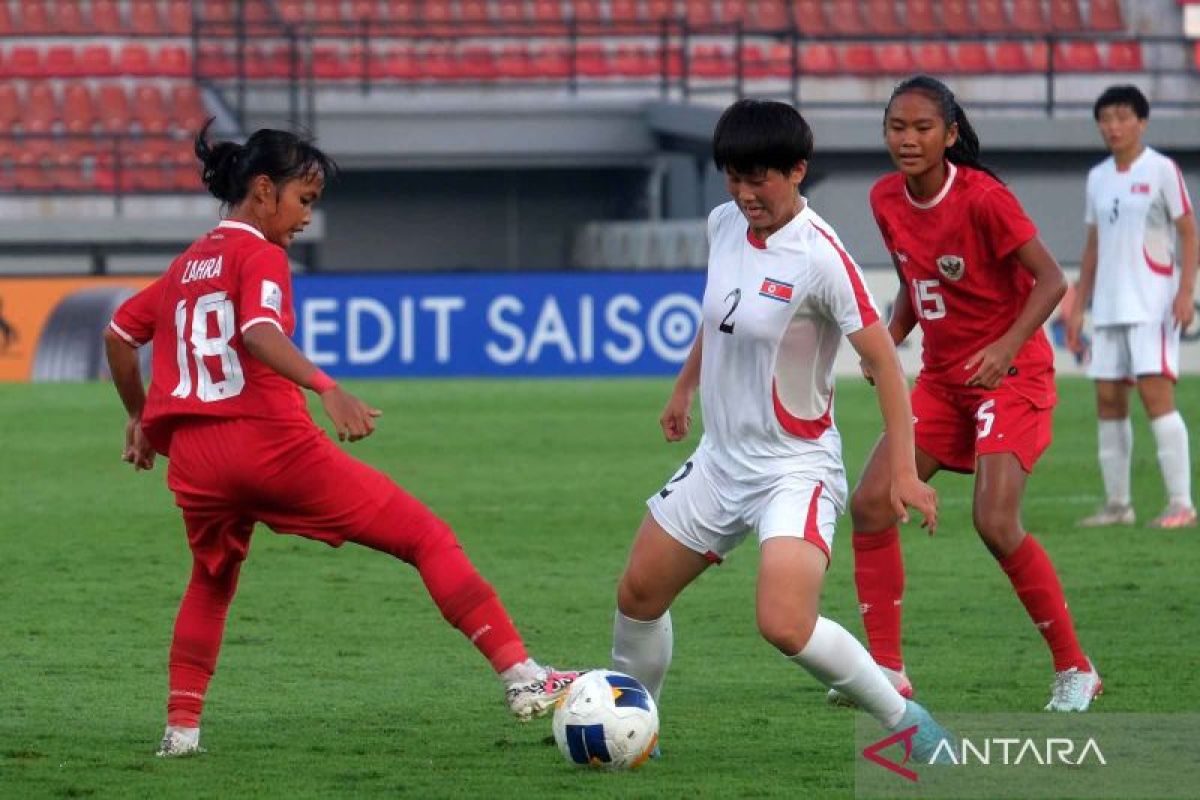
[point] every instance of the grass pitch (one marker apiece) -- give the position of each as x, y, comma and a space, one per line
338, 677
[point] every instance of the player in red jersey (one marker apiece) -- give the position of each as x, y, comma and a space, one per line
980, 283
225, 406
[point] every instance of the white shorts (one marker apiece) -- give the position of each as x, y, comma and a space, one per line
709, 512
1125, 352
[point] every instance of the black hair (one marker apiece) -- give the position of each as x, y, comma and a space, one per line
965, 150
282, 156
756, 135
1125, 94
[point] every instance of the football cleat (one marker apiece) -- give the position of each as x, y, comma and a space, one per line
1074, 689
1111, 514
897, 678
931, 744
1175, 516
529, 699
179, 741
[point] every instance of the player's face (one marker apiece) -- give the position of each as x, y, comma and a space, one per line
294, 207
916, 134
1121, 128
768, 198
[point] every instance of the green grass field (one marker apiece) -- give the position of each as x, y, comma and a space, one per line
339, 678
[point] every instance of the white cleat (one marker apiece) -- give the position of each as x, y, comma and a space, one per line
897, 678
529, 699
1175, 516
179, 741
1074, 689
1111, 514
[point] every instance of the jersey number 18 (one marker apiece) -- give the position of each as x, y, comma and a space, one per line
219, 308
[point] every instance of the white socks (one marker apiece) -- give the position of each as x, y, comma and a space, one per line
1171, 434
643, 649
1116, 449
839, 661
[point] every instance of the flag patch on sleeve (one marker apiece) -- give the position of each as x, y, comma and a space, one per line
272, 296
776, 290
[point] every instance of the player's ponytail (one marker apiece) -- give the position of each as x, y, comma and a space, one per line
228, 167
965, 150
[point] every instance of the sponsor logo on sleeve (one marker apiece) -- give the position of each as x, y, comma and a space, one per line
272, 296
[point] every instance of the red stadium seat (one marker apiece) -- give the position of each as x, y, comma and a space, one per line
367, 10
990, 16
1011, 57
1105, 15
135, 60
33, 16
106, 17
1077, 56
767, 15
551, 61
150, 108
932, 57
398, 63
1125, 56
40, 111
474, 17
844, 18
24, 61
513, 63
699, 13
712, 61
732, 11
780, 60
859, 59
68, 17
956, 17
61, 61
112, 106
753, 62
179, 16
477, 63
1065, 16
214, 60
97, 60
143, 17
636, 61
326, 13
79, 114
657, 10
591, 60
972, 58
400, 12
174, 61
882, 17
1028, 17
548, 14
1039, 57
810, 17
818, 59
623, 10
894, 58
187, 108
6, 21
330, 63
920, 18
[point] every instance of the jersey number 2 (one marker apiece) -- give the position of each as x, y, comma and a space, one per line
727, 326
216, 307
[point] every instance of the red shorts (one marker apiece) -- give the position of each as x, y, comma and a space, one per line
957, 424
229, 474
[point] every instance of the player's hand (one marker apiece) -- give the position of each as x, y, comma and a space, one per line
1183, 310
1074, 330
352, 418
989, 365
137, 448
909, 490
866, 372
676, 419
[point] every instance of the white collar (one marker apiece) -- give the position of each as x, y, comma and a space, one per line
951, 171
241, 226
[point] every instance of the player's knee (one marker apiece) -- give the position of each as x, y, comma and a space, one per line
999, 528
787, 632
638, 598
870, 508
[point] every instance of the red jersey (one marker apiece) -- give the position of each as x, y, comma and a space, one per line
195, 314
956, 256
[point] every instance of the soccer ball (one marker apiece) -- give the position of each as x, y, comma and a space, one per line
607, 720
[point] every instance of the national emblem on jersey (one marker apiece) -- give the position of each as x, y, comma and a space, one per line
951, 267
776, 290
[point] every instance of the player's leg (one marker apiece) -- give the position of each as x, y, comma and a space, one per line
999, 487
1111, 369
1156, 362
219, 544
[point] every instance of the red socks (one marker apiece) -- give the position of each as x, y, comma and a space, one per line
879, 577
1033, 576
197, 641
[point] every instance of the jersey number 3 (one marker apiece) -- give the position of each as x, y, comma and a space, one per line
213, 309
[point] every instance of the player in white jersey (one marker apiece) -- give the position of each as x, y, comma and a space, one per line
780, 295
1140, 282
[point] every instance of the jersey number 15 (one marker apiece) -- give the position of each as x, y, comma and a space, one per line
217, 308
930, 303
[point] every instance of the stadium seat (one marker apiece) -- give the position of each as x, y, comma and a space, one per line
712, 61
1105, 15
398, 63
179, 16
731, 11
96, 60
894, 58
68, 17
699, 13
150, 108
106, 17
623, 11
436, 17
61, 61
112, 108
143, 17
24, 61
476, 62
591, 60
548, 16
214, 60
972, 58
932, 57
134, 60
1039, 56
368, 11
327, 14
636, 61
1077, 56
882, 18
329, 63
79, 113
33, 18
551, 61
174, 61
779, 60
10, 107
40, 110
990, 16
187, 108
920, 18
1125, 56
844, 18
1065, 16
767, 16
6, 21
956, 17
810, 17
819, 58
1029, 17
1011, 57
858, 58
512, 63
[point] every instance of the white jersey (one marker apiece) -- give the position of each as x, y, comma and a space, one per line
774, 316
1134, 212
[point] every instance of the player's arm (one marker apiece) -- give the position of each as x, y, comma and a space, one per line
878, 353
676, 419
903, 320
1084, 288
352, 418
1184, 308
127, 379
988, 366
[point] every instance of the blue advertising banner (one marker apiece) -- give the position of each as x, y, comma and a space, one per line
543, 324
